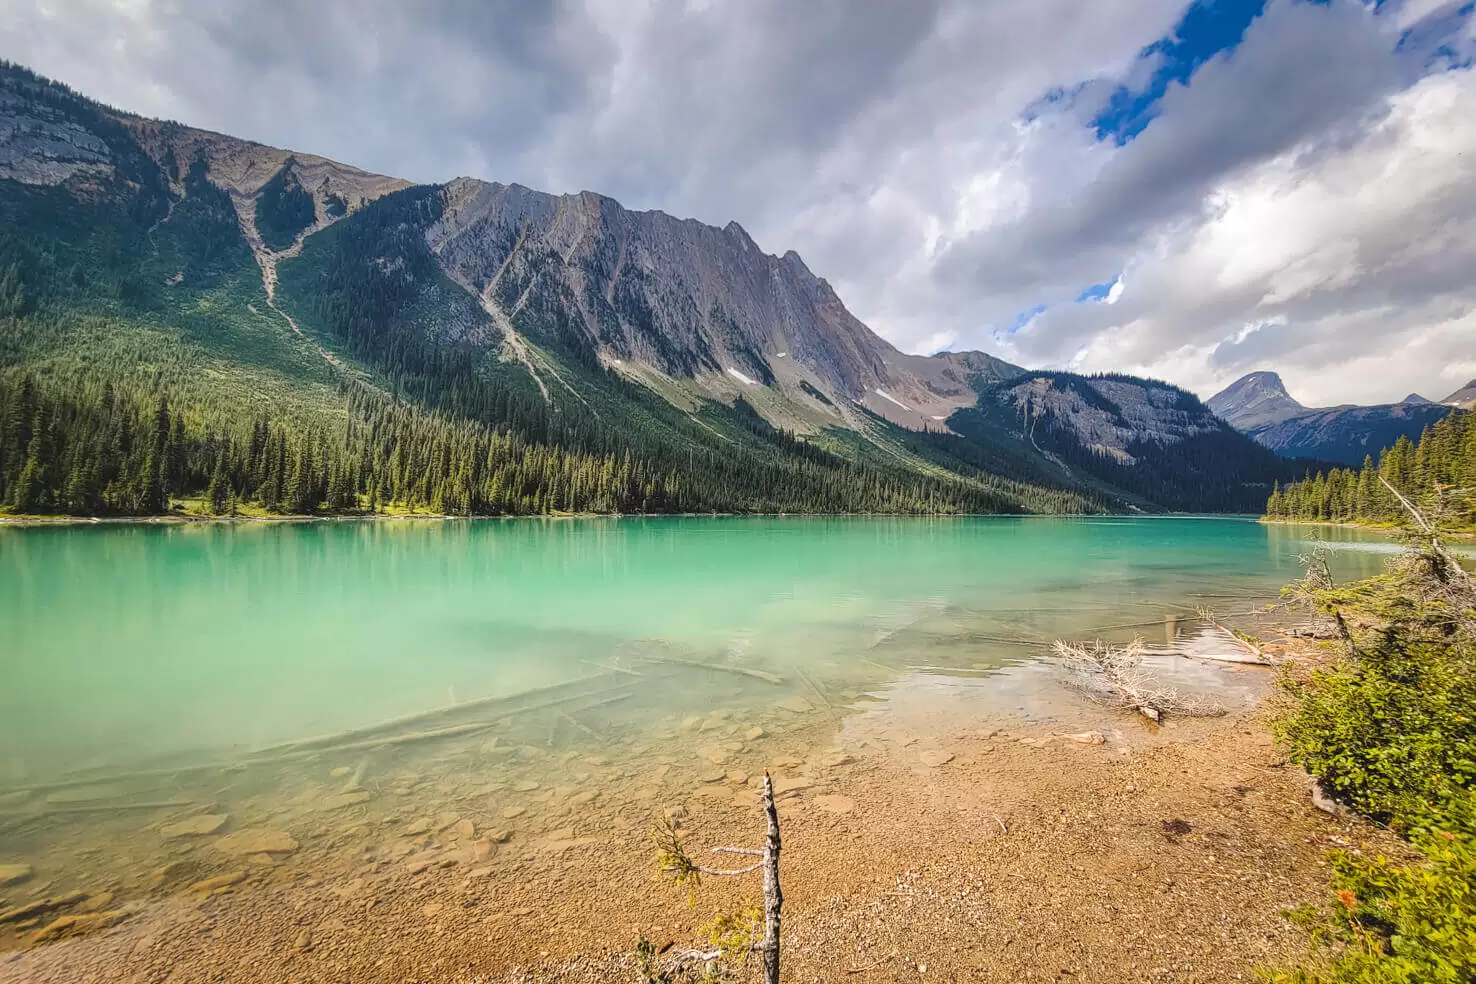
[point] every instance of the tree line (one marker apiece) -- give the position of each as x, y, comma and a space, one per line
97, 448
1444, 458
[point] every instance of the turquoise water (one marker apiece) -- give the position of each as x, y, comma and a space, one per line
125, 645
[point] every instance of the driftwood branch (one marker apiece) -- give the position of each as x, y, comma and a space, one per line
773, 896
672, 858
719, 667
1115, 676
1257, 654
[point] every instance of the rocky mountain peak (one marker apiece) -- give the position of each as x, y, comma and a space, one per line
1255, 400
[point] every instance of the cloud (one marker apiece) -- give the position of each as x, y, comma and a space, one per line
1287, 188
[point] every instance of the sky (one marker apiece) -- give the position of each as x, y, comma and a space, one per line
1189, 192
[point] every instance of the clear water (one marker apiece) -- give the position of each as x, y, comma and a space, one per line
125, 646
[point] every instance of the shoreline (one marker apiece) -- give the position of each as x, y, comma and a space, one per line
1369, 527
949, 838
182, 519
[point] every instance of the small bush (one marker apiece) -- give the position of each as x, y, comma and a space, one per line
1390, 731
1392, 734
1399, 923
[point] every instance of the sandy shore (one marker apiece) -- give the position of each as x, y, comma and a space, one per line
936, 841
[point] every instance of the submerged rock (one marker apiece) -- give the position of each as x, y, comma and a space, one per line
77, 925
11, 874
258, 841
338, 801
197, 826
220, 883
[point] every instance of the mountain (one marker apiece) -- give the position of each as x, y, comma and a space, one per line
185, 316
1465, 397
1259, 406
1257, 400
1417, 400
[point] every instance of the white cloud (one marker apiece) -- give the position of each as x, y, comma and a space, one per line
1311, 182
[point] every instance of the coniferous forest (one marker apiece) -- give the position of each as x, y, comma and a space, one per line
1442, 461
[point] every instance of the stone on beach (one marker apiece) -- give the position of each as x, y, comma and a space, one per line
220, 883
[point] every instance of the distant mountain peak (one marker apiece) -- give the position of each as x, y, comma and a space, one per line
1255, 400
1417, 400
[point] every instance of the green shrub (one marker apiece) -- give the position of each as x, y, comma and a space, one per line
1390, 731
1402, 923
1393, 733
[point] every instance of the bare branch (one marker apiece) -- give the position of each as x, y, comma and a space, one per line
1115, 676
720, 873
738, 850
1258, 655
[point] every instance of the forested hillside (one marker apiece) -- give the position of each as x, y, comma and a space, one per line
1441, 465
193, 322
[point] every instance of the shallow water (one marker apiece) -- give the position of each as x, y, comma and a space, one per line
123, 644
335, 681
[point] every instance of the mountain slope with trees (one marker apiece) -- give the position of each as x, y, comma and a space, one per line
1443, 460
1259, 406
187, 318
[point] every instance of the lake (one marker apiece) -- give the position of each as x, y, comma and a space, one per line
330, 680
124, 643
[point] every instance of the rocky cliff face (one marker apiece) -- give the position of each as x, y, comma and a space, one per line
1107, 415
691, 301
41, 145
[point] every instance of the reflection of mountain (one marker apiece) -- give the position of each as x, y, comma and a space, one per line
1259, 405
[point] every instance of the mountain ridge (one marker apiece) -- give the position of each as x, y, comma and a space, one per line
245, 282
1259, 406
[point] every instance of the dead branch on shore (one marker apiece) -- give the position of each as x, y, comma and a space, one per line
1432, 571
1256, 656
729, 937
1115, 677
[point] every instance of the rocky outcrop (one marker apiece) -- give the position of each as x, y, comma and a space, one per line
1465, 397
41, 144
243, 167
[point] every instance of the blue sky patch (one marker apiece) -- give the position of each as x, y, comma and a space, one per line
1207, 28
1097, 292
1023, 318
